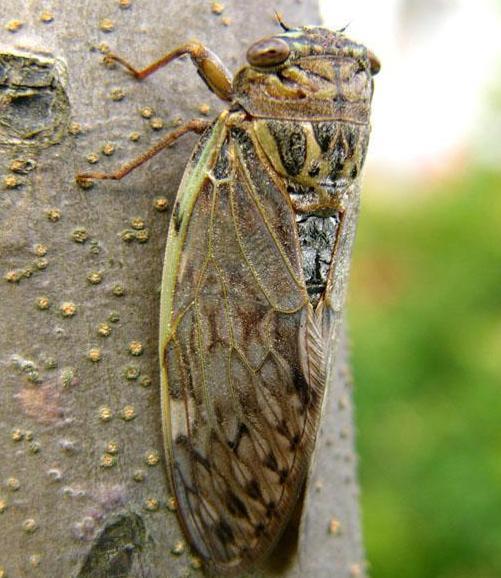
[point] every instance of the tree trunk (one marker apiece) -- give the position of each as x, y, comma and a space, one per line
83, 490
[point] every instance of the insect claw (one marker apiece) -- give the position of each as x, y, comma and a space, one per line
84, 181
111, 60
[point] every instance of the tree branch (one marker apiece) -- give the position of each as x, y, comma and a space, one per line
83, 487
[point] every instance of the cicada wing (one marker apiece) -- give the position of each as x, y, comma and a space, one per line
239, 412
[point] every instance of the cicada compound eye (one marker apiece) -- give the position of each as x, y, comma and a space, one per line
269, 52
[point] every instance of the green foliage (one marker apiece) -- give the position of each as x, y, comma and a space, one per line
425, 317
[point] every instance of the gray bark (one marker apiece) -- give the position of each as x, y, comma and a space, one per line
83, 490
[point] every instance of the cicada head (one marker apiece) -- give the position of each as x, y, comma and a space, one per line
307, 73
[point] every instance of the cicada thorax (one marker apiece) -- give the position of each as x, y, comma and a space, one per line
310, 111
319, 162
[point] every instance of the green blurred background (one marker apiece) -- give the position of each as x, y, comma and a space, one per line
425, 293
425, 316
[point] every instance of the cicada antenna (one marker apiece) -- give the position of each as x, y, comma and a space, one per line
281, 23
344, 28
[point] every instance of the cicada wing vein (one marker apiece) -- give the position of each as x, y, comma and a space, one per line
238, 405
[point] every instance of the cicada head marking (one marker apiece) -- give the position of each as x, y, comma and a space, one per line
307, 73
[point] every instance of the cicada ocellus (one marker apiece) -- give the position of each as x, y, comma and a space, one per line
254, 282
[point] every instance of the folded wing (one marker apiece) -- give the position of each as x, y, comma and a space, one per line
243, 370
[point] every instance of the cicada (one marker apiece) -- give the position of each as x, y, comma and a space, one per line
254, 281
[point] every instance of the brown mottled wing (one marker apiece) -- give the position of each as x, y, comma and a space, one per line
242, 413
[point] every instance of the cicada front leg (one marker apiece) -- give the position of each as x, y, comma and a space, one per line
211, 69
